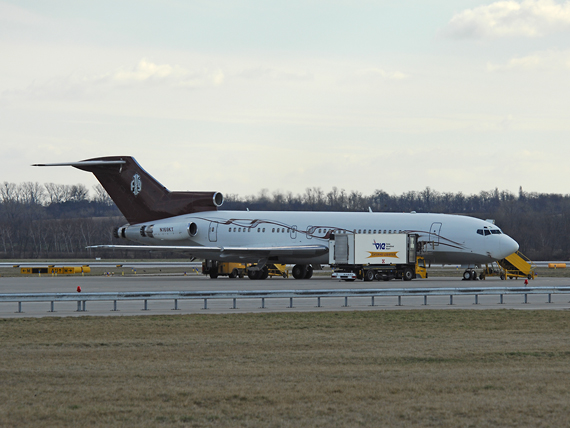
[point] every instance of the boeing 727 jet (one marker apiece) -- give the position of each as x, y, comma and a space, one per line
191, 223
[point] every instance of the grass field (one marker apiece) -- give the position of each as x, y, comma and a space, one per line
393, 368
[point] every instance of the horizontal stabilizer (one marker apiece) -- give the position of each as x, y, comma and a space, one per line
84, 163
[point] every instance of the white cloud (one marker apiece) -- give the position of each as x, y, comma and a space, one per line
149, 72
379, 72
271, 73
529, 18
145, 73
539, 61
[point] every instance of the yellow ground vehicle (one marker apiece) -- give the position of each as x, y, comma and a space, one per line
235, 270
421, 270
517, 265
215, 269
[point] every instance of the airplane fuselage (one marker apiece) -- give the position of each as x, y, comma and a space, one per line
446, 239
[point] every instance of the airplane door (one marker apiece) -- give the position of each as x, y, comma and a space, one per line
213, 232
293, 232
434, 232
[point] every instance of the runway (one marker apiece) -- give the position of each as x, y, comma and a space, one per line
201, 283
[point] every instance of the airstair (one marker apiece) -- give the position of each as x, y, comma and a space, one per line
517, 265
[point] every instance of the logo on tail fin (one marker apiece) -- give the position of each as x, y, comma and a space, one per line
136, 184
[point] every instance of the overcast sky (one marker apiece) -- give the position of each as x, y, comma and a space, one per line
238, 96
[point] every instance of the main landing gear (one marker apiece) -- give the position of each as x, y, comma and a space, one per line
302, 271
469, 274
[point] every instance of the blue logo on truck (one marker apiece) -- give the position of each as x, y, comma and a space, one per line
379, 245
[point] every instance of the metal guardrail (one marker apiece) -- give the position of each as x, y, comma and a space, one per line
81, 298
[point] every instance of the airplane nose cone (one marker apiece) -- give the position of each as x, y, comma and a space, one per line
508, 246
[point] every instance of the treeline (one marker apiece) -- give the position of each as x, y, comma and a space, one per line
54, 220
59, 221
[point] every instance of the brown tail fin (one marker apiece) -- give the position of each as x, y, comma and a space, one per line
139, 196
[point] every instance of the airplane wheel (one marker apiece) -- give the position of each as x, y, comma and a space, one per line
309, 273
264, 273
473, 275
408, 275
253, 274
299, 271
467, 275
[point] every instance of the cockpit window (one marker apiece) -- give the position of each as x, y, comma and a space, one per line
487, 232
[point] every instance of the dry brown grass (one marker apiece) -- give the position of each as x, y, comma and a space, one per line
395, 368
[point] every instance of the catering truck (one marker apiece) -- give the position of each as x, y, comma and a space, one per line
375, 256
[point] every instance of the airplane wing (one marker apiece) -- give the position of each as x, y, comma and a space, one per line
252, 253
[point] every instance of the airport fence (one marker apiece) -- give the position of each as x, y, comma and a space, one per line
234, 296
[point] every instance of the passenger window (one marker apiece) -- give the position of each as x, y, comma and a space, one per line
230, 229
258, 230
359, 230
273, 230
263, 230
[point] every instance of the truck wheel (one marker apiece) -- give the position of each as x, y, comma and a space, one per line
299, 271
213, 275
408, 274
309, 272
369, 275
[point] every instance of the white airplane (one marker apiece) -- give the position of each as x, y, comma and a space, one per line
190, 222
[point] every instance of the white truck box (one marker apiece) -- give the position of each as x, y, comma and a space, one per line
372, 249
